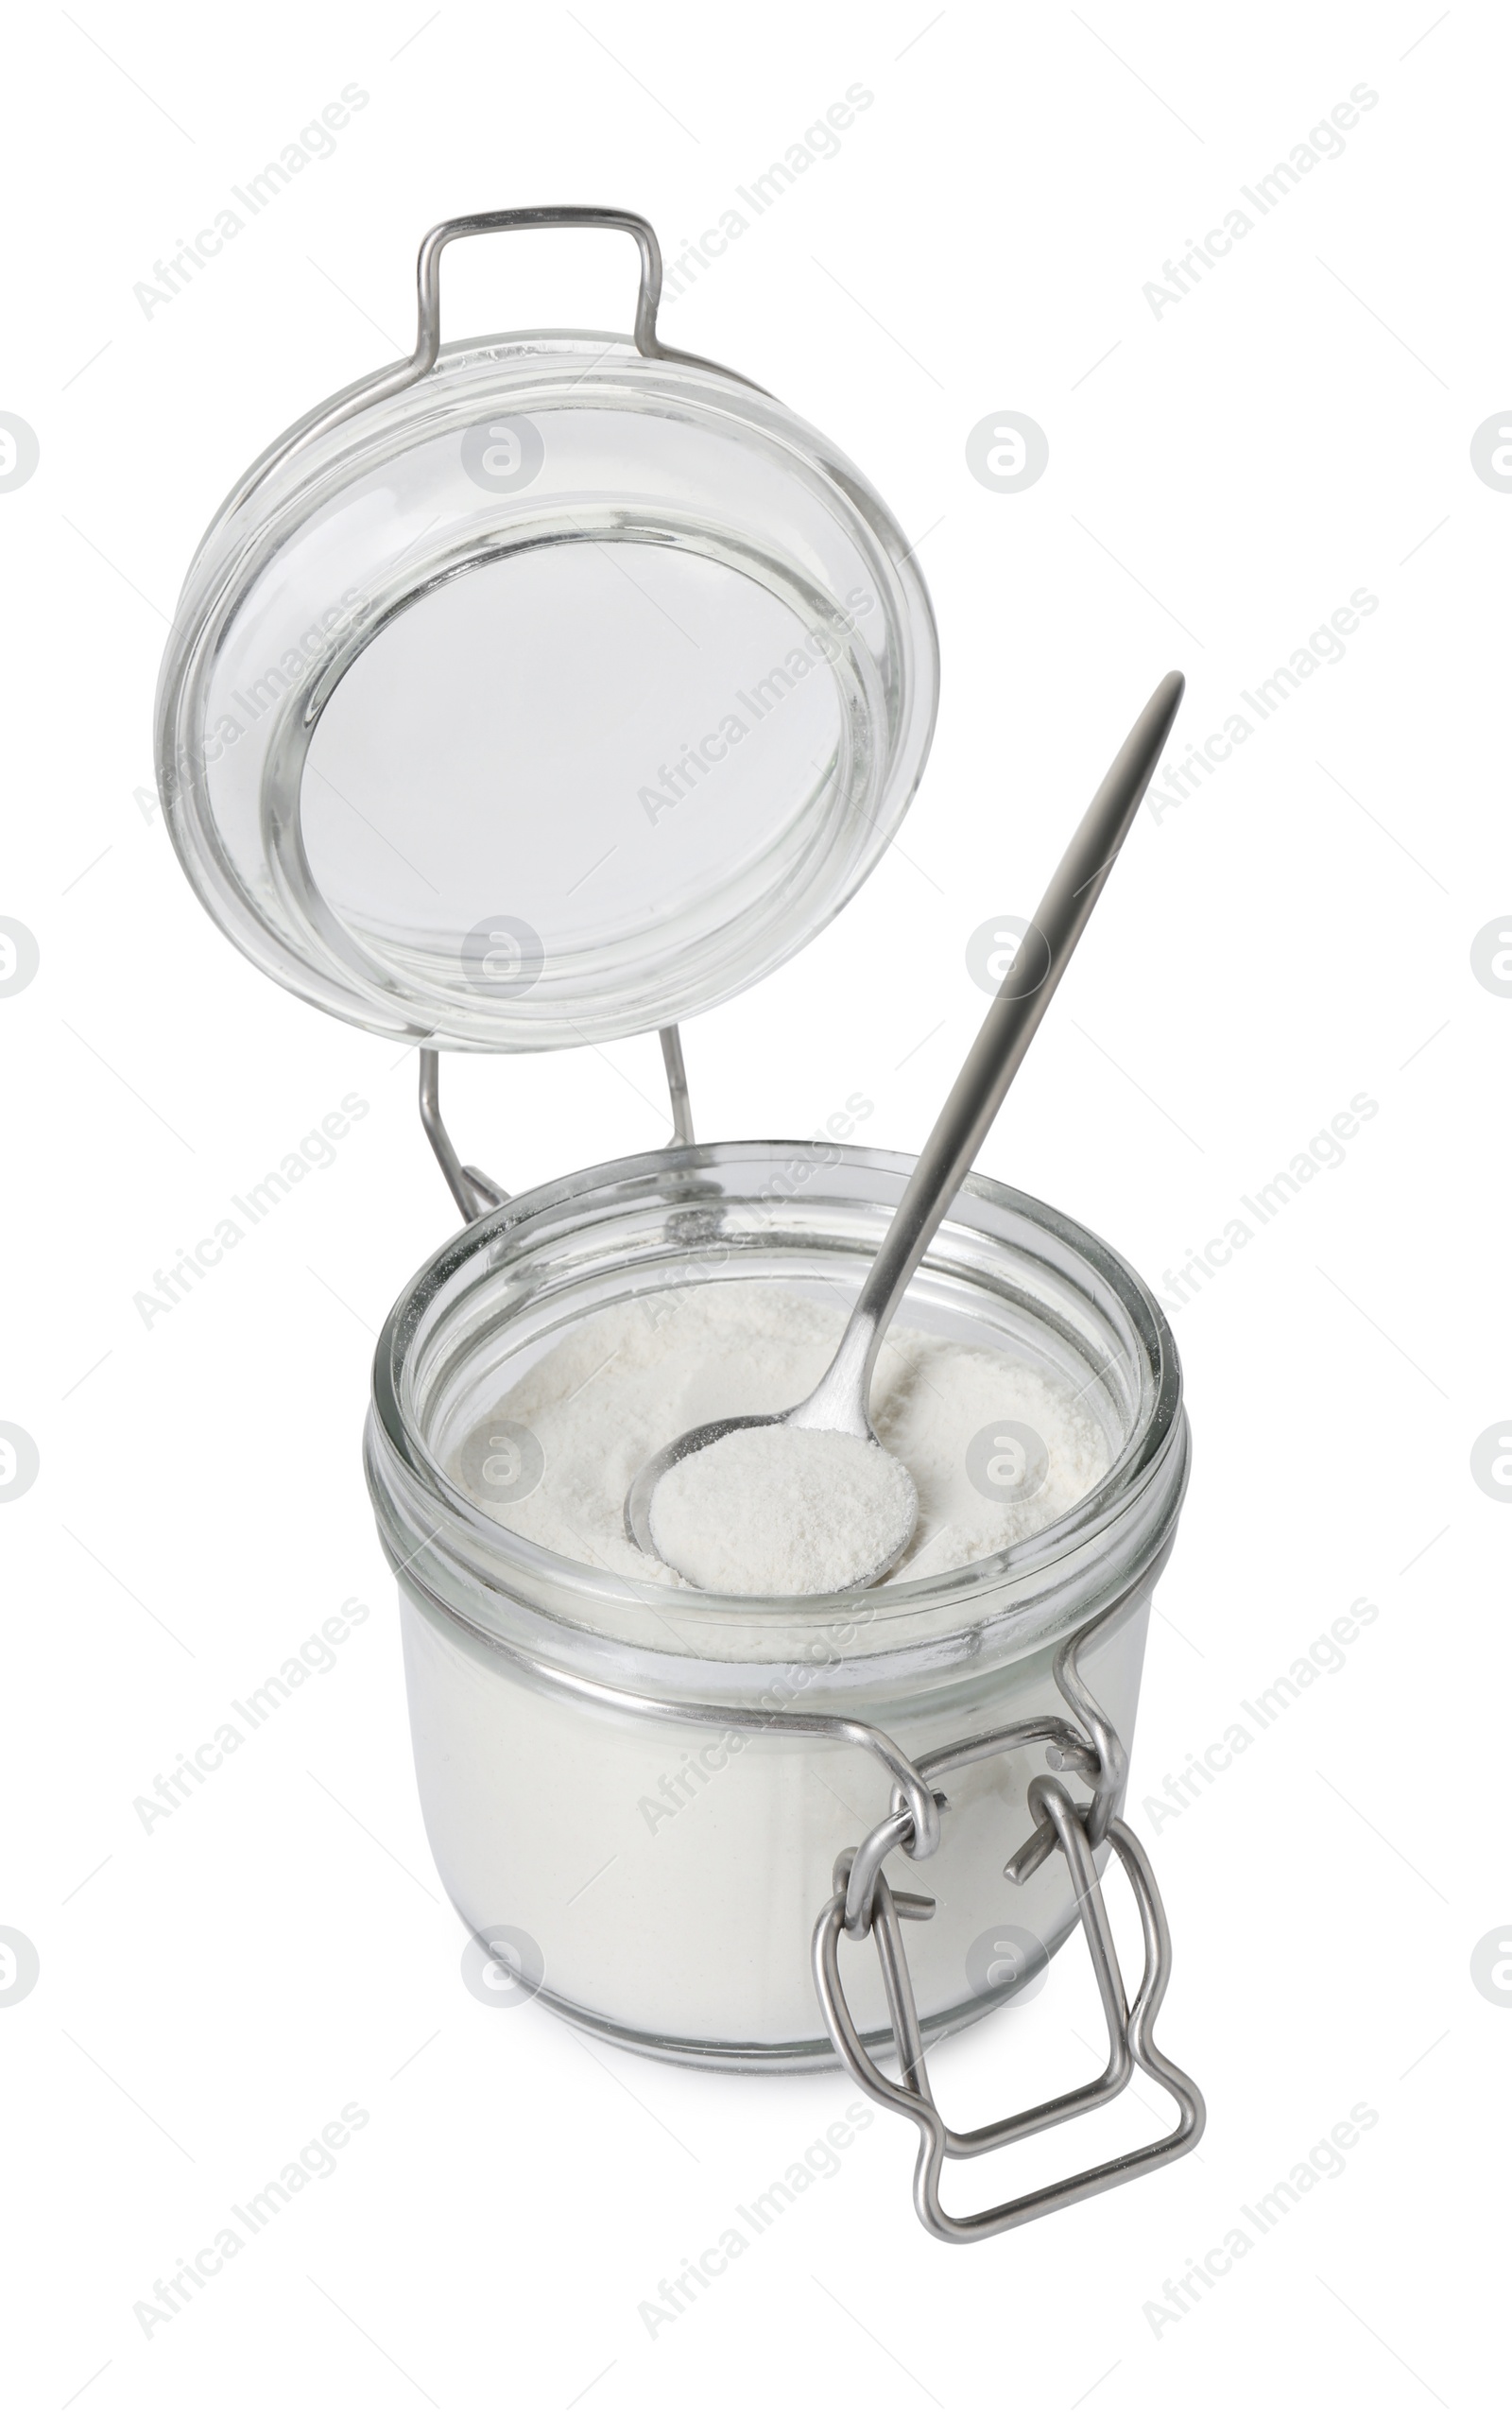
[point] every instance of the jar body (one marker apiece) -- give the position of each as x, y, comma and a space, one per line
660, 1827
670, 1874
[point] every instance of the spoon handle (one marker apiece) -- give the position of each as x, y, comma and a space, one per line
994, 1058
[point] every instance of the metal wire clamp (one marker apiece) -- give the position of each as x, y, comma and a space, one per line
864, 1902
475, 1194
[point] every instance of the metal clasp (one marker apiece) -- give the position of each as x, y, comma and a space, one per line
864, 1902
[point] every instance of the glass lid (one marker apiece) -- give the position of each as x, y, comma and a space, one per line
541, 689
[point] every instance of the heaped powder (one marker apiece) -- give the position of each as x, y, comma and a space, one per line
780, 1512
995, 1448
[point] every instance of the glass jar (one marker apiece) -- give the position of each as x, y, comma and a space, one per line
615, 1777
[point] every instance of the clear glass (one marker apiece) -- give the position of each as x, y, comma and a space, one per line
669, 1874
556, 697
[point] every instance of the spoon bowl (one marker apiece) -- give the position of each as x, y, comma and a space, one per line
638, 1523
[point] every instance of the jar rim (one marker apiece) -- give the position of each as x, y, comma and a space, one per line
1133, 1506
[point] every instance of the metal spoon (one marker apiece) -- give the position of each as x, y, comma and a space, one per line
840, 1400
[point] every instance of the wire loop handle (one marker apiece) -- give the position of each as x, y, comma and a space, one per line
384, 382
501, 222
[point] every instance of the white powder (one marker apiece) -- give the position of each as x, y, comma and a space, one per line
996, 1449
783, 1512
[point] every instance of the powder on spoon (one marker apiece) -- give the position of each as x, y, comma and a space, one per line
997, 1447
778, 1512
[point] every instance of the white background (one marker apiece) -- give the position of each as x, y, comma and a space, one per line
1220, 479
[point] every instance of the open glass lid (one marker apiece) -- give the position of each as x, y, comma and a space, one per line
541, 689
